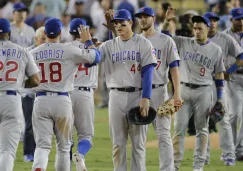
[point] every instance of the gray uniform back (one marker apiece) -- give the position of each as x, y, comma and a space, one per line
24, 37
231, 49
15, 63
198, 62
124, 60
85, 77
166, 53
58, 64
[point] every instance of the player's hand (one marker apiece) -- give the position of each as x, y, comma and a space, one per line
226, 76
109, 15
178, 100
84, 33
144, 107
96, 41
170, 14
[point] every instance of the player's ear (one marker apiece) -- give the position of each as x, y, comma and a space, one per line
45, 33
130, 22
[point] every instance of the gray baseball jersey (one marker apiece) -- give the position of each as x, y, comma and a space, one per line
235, 99
85, 77
12, 69
24, 37
198, 62
165, 52
231, 50
15, 63
124, 59
58, 64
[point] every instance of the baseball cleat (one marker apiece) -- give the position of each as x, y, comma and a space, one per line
229, 162
79, 162
39, 169
206, 162
28, 158
222, 157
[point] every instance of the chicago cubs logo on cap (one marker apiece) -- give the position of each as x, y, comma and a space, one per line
142, 9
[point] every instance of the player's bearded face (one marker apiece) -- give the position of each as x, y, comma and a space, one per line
213, 25
122, 27
200, 31
145, 21
238, 24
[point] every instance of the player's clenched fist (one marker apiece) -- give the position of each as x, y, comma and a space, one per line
144, 107
84, 33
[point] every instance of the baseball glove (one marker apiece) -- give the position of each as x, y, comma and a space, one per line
217, 113
169, 107
134, 116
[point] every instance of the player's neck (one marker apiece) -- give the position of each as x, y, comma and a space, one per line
127, 36
56, 40
148, 33
19, 24
234, 30
202, 42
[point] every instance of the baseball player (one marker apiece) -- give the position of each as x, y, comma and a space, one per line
235, 83
230, 48
167, 57
21, 33
52, 111
129, 63
27, 104
86, 80
200, 58
15, 63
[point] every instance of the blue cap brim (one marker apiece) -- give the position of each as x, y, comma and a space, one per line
200, 19
215, 18
139, 13
19, 9
120, 19
238, 17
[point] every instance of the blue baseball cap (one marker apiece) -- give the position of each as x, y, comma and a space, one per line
198, 18
4, 26
19, 6
53, 26
122, 15
145, 10
236, 13
75, 23
211, 15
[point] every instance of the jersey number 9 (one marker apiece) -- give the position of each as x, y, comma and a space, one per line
55, 69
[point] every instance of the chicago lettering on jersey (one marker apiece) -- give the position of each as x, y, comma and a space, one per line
125, 56
48, 54
198, 58
10, 53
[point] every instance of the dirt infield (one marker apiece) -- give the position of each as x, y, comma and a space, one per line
190, 142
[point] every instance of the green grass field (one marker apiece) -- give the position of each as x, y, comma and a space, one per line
99, 158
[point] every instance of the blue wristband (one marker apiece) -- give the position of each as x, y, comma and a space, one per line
219, 93
88, 43
219, 83
232, 69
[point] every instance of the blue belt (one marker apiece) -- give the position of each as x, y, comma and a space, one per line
9, 92
43, 93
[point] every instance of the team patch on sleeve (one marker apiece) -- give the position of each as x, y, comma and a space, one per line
153, 52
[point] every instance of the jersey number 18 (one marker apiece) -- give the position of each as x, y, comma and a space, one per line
55, 69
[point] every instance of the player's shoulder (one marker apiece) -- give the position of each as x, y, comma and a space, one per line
224, 35
214, 47
138, 39
29, 28
227, 31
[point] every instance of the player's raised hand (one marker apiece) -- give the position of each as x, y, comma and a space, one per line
96, 41
109, 15
170, 13
144, 107
84, 33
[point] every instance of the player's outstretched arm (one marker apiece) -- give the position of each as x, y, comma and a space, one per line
169, 15
32, 81
233, 68
85, 37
